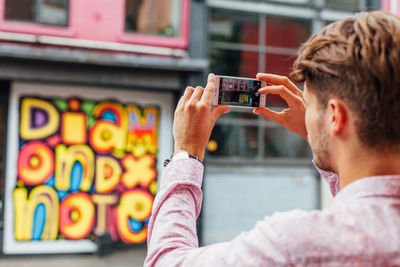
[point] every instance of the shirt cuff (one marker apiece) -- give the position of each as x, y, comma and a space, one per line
183, 171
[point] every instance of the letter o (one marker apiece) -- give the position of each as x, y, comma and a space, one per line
35, 163
77, 214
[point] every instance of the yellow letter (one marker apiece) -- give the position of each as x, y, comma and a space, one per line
139, 171
65, 159
73, 128
39, 119
25, 210
108, 174
135, 204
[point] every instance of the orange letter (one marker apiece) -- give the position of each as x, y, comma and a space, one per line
108, 134
142, 130
135, 204
76, 216
35, 163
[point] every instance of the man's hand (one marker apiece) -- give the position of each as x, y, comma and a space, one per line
293, 118
194, 119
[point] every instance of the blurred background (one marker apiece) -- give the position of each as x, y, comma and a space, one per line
88, 89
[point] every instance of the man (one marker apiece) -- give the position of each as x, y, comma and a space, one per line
349, 115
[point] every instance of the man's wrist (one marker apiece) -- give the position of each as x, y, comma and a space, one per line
181, 154
194, 152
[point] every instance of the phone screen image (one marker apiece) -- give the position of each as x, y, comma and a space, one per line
239, 92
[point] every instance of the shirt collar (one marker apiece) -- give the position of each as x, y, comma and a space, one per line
374, 186
331, 178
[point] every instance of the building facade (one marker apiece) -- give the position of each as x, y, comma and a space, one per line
88, 93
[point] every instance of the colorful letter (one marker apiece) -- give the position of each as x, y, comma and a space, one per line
25, 212
77, 216
142, 130
108, 174
136, 205
109, 132
39, 119
103, 202
35, 163
138, 171
65, 160
74, 128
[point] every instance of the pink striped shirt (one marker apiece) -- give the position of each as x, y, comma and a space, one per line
362, 227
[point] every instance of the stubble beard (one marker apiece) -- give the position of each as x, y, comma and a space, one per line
321, 147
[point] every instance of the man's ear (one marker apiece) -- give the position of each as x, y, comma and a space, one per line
338, 116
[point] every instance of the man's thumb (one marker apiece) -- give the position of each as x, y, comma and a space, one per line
268, 114
217, 112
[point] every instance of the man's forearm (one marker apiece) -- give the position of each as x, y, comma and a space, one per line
172, 226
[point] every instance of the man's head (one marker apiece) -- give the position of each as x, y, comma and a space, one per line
354, 63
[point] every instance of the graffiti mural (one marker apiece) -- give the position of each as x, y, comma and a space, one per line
84, 168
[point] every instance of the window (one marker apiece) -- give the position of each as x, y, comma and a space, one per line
283, 37
234, 44
243, 44
350, 5
156, 17
51, 12
230, 128
296, 2
353, 5
157, 22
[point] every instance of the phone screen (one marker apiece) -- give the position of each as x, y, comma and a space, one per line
239, 92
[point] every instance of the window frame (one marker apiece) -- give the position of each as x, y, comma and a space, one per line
181, 41
38, 28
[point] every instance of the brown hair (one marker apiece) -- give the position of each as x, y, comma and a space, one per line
358, 60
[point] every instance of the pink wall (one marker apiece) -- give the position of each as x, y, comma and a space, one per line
100, 20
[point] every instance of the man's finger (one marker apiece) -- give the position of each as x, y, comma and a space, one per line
217, 112
280, 80
186, 96
269, 114
209, 90
282, 91
197, 94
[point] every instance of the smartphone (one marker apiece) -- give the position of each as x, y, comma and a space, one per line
238, 92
